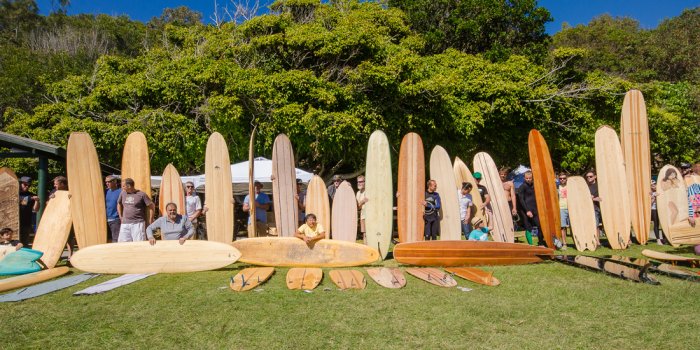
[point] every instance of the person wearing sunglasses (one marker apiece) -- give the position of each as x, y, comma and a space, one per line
563, 192
112, 193
592, 181
337, 180
193, 209
361, 198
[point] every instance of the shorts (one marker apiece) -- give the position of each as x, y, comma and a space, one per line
132, 232
564, 213
260, 229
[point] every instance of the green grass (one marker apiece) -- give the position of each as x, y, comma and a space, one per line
541, 306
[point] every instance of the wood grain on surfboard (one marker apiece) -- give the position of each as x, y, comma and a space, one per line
87, 191
468, 253
348, 279
318, 203
502, 222
31, 278
344, 213
293, 252
54, 228
410, 189
441, 171
163, 257
9, 199
670, 257
136, 163
305, 278
284, 187
672, 207
612, 187
388, 277
379, 190
609, 267
463, 174
252, 208
250, 278
545, 187
634, 138
581, 214
475, 275
683, 233
219, 200
172, 190
433, 276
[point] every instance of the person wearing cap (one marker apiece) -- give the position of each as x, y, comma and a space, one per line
337, 180
193, 209
431, 209
485, 196
112, 193
592, 181
465, 208
361, 198
301, 202
28, 205
480, 231
262, 205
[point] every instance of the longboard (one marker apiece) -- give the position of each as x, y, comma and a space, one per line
171, 190
463, 174
612, 187
9, 198
379, 213
475, 275
441, 171
673, 258
305, 278
671, 198
54, 228
581, 214
387, 277
665, 269
344, 214
433, 276
609, 267
163, 257
410, 189
250, 278
545, 187
502, 223
136, 163
284, 187
31, 278
468, 253
87, 191
318, 203
252, 226
219, 201
293, 252
634, 138
348, 279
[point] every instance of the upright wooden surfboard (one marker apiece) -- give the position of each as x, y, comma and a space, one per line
31, 278
348, 279
293, 252
468, 253
475, 275
172, 190
219, 190
87, 191
379, 213
441, 171
251, 185
612, 187
344, 215
545, 187
250, 278
305, 278
502, 223
463, 174
318, 203
672, 207
136, 163
9, 199
433, 276
634, 136
54, 228
284, 187
581, 214
411, 189
387, 277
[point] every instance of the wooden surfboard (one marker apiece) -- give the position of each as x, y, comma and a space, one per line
305, 278
31, 278
612, 187
411, 189
463, 174
387, 277
344, 215
672, 198
441, 171
683, 233
251, 186
163, 257
581, 214
545, 187
609, 267
9, 199
475, 275
634, 138
172, 190
432, 275
379, 212
502, 223
689, 180
250, 278
54, 228
348, 279
87, 191
293, 252
136, 163
468, 253
656, 267
284, 187
670, 257
219, 189
318, 203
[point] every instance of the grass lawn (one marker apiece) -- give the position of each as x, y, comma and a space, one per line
541, 306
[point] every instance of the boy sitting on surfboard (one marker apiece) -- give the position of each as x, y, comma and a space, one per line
480, 232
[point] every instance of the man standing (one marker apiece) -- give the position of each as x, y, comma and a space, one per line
485, 208
301, 202
592, 180
193, 209
563, 207
111, 197
465, 208
28, 205
509, 189
431, 210
173, 226
361, 198
262, 205
528, 203
337, 180
132, 205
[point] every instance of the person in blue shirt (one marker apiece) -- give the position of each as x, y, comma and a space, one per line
111, 196
480, 232
262, 205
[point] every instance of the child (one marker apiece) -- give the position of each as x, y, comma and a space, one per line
6, 238
480, 232
311, 231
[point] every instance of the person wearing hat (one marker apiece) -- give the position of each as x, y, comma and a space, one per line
337, 180
262, 205
301, 202
480, 231
28, 205
361, 199
485, 197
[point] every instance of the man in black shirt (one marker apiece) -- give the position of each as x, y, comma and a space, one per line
28, 205
528, 203
592, 180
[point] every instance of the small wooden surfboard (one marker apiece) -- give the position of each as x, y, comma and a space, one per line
348, 279
250, 278
379, 213
433, 275
293, 252
545, 187
581, 214
344, 213
172, 190
441, 171
318, 203
251, 186
411, 189
284, 187
305, 278
219, 189
502, 223
475, 275
31, 278
463, 174
609, 267
612, 187
673, 258
54, 228
387, 277
468, 253
9, 197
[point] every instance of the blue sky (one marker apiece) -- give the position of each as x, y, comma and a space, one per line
648, 12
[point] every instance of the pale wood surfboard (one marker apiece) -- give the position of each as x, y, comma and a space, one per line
136, 163
433, 276
318, 203
219, 200
305, 278
502, 218
463, 174
670, 257
672, 207
87, 198
293, 252
163, 257
612, 187
689, 180
634, 138
441, 171
411, 189
31, 278
379, 213
250, 278
387, 277
344, 213
348, 279
581, 214
172, 190
475, 275
251, 186
683, 233
545, 187
54, 228
9, 198
284, 187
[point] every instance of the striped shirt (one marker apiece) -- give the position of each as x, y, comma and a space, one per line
693, 199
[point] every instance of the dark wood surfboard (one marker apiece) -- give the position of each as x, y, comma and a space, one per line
468, 253
609, 267
545, 187
411, 189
